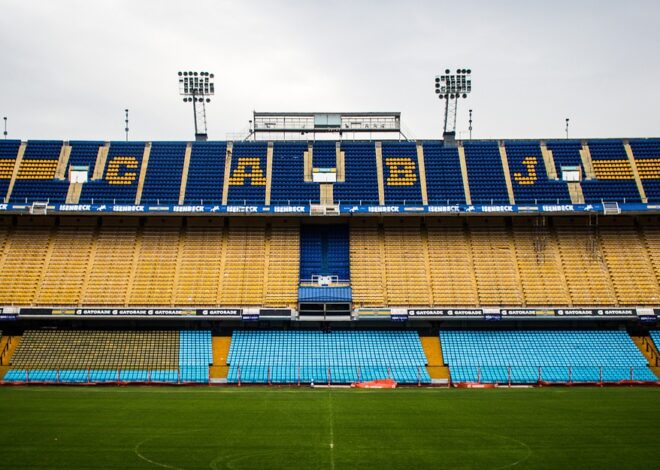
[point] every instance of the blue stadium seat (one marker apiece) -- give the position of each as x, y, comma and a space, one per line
401, 173
361, 185
647, 158
162, 182
8, 154
288, 182
206, 173
612, 188
567, 153
529, 178
247, 182
444, 181
36, 175
120, 179
324, 154
324, 251
485, 172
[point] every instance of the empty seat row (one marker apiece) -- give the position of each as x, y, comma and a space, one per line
489, 356
337, 357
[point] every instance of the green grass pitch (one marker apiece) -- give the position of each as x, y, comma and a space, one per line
289, 428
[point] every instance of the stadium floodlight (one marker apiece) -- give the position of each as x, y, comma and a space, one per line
5, 133
450, 87
197, 87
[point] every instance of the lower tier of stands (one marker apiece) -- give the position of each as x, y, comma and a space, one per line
529, 357
338, 357
81, 356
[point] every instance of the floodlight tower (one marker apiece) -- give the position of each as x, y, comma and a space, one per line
197, 87
450, 87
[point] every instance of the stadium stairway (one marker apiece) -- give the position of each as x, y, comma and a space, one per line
436, 367
8, 345
218, 371
648, 348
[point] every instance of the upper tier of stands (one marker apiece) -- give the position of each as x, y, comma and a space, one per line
648, 165
485, 173
551, 356
391, 172
112, 356
315, 356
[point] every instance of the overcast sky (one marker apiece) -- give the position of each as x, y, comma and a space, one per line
69, 68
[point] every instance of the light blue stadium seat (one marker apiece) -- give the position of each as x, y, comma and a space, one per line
550, 356
289, 357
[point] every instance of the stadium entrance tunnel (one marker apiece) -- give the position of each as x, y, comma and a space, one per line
324, 310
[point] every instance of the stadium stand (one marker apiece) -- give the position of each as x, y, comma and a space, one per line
484, 164
324, 154
495, 263
529, 178
361, 185
162, 262
539, 263
367, 253
452, 268
39, 163
206, 173
583, 264
120, 178
633, 278
387, 172
613, 172
84, 153
23, 262
112, 356
245, 261
548, 356
401, 173
444, 180
404, 264
650, 233
288, 186
655, 336
108, 276
324, 251
315, 356
647, 158
386, 262
163, 178
247, 179
8, 155
283, 268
